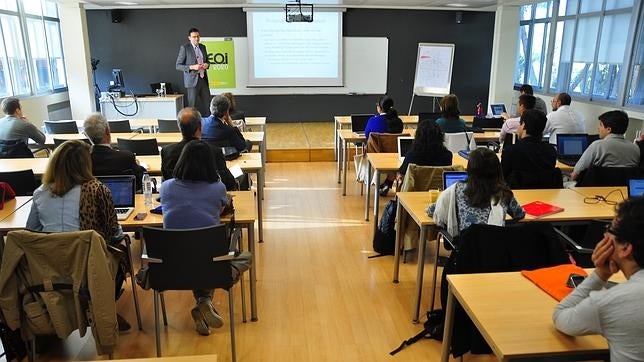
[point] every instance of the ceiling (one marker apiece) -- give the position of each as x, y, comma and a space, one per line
479, 5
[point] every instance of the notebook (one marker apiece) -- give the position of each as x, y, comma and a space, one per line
541, 209
359, 123
571, 146
404, 145
636, 187
497, 109
122, 188
451, 177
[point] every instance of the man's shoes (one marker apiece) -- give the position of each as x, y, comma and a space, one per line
383, 190
200, 323
209, 313
123, 324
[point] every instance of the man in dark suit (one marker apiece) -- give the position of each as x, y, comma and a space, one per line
107, 161
193, 62
218, 128
530, 163
189, 120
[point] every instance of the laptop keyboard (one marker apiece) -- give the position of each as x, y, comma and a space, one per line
121, 210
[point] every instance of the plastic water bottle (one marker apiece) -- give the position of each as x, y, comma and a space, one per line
479, 109
147, 189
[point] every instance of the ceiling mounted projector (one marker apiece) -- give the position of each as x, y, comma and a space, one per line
299, 13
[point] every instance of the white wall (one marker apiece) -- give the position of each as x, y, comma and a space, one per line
502, 74
35, 108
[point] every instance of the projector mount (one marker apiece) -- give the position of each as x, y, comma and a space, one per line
298, 12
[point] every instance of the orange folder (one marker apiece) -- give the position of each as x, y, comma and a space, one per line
553, 280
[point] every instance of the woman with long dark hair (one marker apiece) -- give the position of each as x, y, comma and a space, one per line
483, 199
428, 148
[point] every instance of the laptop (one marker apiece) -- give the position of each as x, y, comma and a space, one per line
452, 177
359, 123
571, 146
404, 145
122, 188
636, 187
428, 115
497, 109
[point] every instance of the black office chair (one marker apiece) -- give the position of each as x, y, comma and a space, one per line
59, 141
168, 126
510, 139
120, 126
142, 147
58, 127
186, 260
487, 123
535, 179
428, 115
14, 149
23, 182
608, 176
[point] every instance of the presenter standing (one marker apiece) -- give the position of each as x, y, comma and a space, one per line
193, 62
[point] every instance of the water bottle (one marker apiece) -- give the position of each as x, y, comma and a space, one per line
479, 110
147, 189
163, 91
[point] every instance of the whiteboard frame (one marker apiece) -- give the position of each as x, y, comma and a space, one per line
433, 91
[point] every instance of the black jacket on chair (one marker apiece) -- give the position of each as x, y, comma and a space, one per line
490, 249
107, 161
530, 164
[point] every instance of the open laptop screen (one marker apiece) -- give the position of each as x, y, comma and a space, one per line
404, 145
571, 144
497, 109
451, 177
359, 122
122, 188
636, 187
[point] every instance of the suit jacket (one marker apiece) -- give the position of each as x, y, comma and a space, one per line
185, 59
170, 155
530, 163
107, 161
217, 132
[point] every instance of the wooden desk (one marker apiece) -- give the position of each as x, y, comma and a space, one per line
145, 107
248, 162
37, 165
415, 204
486, 136
519, 326
49, 138
150, 123
379, 162
617, 193
197, 358
10, 212
245, 215
256, 122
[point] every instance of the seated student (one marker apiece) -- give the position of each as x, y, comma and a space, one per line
71, 199
450, 121
483, 199
612, 150
216, 128
189, 120
530, 163
386, 120
539, 104
237, 117
563, 119
107, 161
511, 125
194, 198
15, 127
616, 313
428, 148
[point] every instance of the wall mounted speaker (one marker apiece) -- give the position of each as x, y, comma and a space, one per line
117, 15
459, 17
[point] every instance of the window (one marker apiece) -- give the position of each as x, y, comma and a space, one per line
31, 53
589, 49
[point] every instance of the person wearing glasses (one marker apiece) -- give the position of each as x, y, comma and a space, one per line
616, 313
563, 119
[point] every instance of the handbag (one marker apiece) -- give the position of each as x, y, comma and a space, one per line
6, 193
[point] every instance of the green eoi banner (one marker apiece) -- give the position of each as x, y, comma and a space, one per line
221, 55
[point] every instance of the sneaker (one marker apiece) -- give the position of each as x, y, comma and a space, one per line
209, 314
123, 324
200, 323
384, 189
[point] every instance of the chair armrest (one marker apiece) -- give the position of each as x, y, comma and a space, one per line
447, 238
573, 243
145, 257
229, 256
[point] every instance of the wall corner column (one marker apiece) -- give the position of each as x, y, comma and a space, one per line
506, 30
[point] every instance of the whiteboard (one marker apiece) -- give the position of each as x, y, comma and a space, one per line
364, 67
433, 69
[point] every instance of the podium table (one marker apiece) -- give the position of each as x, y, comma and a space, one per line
142, 107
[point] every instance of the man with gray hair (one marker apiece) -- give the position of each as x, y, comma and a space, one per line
218, 128
107, 161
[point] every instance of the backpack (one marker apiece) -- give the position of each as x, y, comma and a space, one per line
432, 328
384, 239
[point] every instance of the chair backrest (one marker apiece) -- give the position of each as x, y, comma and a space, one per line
23, 182
608, 176
120, 126
535, 179
58, 127
59, 141
641, 146
14, 149
383, 142
187, 258
490, 123
509, 139
458, 141
168, 126
142, 147
423, 178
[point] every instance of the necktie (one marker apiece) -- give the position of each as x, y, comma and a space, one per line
199, 60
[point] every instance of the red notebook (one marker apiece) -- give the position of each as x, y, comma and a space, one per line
541, 209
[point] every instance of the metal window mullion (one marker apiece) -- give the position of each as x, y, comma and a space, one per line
551, 47
596, 56
22, 20
572, 53
629, 55
4, 44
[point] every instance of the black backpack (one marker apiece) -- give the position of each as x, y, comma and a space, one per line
432, 328
384, 240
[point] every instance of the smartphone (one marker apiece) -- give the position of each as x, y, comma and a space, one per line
140, 216
574, 280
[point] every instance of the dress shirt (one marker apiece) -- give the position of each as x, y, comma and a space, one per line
611, 151
509, 126
564, 120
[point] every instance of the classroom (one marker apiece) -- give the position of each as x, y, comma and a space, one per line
315, 291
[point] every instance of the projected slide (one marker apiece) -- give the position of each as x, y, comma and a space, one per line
294, 54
